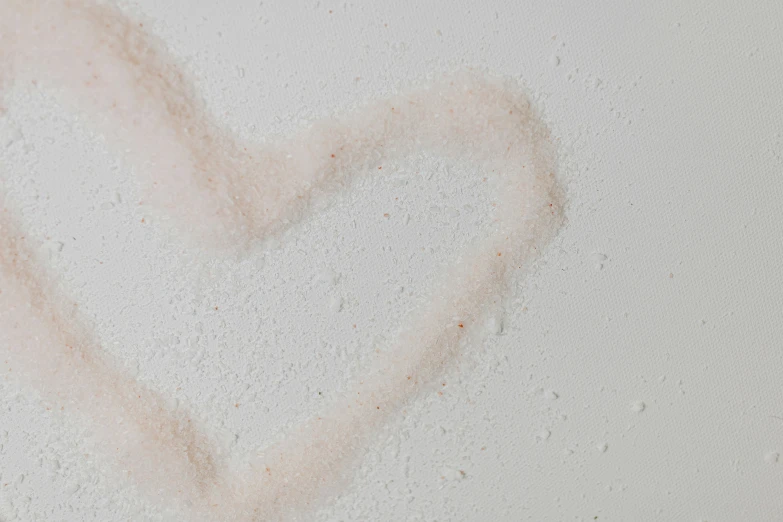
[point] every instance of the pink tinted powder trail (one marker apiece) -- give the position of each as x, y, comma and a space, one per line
237, 193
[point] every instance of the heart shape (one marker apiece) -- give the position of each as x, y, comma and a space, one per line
235, 194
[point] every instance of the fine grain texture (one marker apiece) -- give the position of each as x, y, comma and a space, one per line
167, 166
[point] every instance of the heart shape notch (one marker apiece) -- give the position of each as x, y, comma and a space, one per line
235, 193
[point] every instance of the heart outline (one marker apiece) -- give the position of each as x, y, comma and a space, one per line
241, 210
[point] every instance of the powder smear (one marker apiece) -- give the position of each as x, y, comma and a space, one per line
235, 194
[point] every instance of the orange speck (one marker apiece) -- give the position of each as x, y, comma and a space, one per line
461, 325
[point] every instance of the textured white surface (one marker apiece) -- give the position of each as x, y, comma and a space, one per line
637, 375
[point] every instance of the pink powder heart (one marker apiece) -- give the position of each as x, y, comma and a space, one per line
231, 194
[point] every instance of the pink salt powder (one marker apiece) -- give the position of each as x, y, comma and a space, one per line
237, 193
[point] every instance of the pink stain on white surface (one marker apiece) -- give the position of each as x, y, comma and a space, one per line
232, 194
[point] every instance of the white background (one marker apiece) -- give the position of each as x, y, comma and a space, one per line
664, 287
